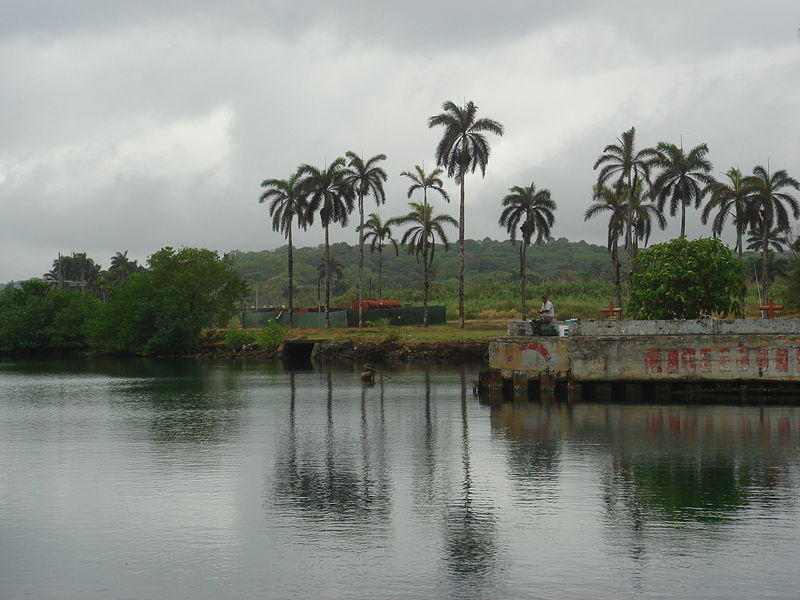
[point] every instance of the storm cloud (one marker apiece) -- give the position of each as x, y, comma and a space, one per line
131, 126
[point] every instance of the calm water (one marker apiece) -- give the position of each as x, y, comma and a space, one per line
151, 480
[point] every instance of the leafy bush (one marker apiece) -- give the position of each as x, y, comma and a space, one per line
235, 339
37, 317
271, 336
683, 279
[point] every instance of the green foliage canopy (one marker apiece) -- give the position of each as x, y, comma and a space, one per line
163, 310
683, 279
35, 317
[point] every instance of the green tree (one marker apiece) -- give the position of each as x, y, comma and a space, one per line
37, 317
420, 238
329, 194
623, 168
771, 204
683, 279
682, 177
77, 272
731, 198
286, 203
531, 212
378, 234
463, 148
163, 310
613, 202
366, 178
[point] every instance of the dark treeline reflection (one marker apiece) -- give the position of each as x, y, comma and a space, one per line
661, 463
318, 472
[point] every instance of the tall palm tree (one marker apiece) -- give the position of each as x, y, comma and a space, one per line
622, 167
727, 198
462, 149
613, 202
641, 213
328, 193
286, 199
682, 177
366, 178
425, 181
420, 239
770, 200
529, 211
377, 234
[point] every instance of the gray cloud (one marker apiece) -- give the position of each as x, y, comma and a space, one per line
129, 126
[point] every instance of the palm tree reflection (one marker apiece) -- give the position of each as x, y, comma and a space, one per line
470, 525
331, 487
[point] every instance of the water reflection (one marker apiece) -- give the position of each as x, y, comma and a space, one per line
327, 483
470, 526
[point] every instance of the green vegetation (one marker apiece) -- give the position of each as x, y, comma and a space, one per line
684, 279
36, 317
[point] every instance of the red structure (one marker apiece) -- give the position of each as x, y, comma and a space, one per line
365, 304
771, 307
611, 310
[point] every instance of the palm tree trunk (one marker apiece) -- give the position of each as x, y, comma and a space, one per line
380, 273
765, 260
461, 254
617, 283
425, 285
683, 218
628, 227
522, 253
360, 257
742, 314
291, 280
327, 278
425, 258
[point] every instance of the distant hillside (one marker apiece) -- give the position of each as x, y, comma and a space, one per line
486, 261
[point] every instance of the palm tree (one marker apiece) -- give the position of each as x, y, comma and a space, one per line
325, 268
377, 234
462, 149
424, 181
328, 193
609, 200
286, 202
641, 215
726, 198
366, 178
530, 211
621, 165
770, 199
420, 239
682, 179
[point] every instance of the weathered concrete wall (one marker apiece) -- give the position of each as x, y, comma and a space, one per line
773, 357
687, 327
530, 355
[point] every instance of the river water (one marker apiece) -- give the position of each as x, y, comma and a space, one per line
139, 479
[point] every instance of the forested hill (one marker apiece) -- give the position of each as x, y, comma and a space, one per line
486, 261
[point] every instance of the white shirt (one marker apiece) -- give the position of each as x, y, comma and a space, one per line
547, 309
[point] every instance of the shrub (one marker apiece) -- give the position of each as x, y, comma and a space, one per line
271, 336
235, 339
683, 279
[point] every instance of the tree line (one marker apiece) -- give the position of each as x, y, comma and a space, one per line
637, 187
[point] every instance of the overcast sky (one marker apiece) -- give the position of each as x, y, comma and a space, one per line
136, 125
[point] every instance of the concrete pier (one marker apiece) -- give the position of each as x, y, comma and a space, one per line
642, 355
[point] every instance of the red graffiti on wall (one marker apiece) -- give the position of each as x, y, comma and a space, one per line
690, 360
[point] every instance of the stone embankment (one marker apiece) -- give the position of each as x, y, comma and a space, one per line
387, 351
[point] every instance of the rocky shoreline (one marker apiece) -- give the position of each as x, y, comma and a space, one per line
371, 352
